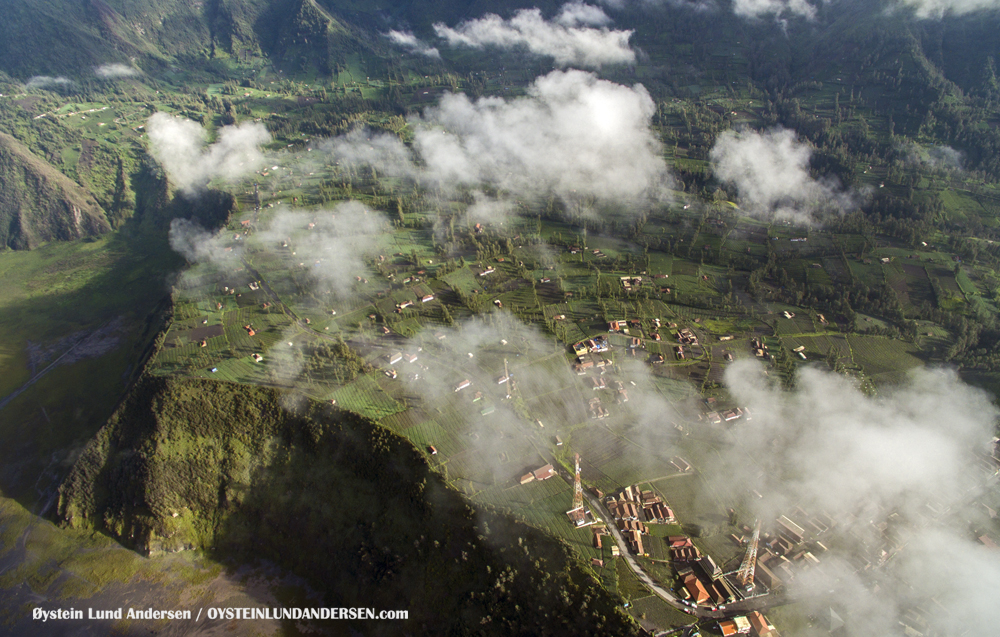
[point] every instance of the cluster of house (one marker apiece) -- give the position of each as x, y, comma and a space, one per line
754, 624
590, 361
622, 326
541, 473
596, 409
631, 508
728, 415
686, 337
987, 460
701, 581
681, 464
759, 348
630, 283
682, 549
634, 539
785, 550
597, 344
396, 357
622, 392
600, 532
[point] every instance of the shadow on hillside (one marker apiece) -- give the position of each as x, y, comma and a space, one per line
256, 475
355, 510
44, 427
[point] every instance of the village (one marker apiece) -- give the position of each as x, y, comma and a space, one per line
483, 418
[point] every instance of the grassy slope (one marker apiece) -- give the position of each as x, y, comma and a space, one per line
253, 473
38, 203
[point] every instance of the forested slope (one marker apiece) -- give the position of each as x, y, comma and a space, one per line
250, 473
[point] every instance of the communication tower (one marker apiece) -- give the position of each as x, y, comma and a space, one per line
745, 575
577, 487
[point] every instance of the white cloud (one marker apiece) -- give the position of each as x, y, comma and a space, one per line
940, 8
180, 146
574, 14
934, 157
334, 248
385, 153
573, 135
109, 71
46, 81
196, 244
571, 38
331, 243
412, 43
757, 8
827, 447
771, 172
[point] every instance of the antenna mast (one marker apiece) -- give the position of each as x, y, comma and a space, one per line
577, 487
745, 575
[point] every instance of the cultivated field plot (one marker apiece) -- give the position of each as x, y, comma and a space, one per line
800, 323
819, 347
463, 281
365, 397
883, 358
918, 288
868, 272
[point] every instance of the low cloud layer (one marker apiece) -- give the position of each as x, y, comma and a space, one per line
778, 8
474, 350
905, 458
577, 36
198, 245
770, 170
573, 135
180, 146
412, 43
331, 243
935, 157
751, 9
46, 81
910, 444
110, 71
940, 8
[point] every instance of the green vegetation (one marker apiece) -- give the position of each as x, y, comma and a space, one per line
241, 470
206, 446
38, 203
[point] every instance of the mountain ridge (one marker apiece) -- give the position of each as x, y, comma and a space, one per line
38, 203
